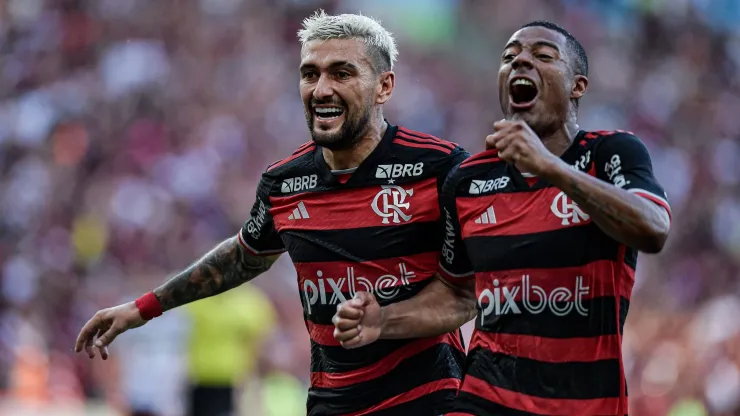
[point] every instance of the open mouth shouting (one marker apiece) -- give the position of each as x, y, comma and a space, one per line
523, 93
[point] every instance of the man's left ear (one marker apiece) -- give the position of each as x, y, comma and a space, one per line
384, 90
579, 87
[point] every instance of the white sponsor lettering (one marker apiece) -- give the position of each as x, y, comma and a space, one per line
479, 187
331, 291
255, 224
613, 169
567, 210
448, 248
582, 162
390, 202
399, 170
299, 183
534, 299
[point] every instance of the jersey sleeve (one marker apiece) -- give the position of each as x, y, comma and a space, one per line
258, 235
454, 264
449, 163
623, 160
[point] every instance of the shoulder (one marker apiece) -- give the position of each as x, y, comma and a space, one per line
426, 146
436, 156
476, 169
295, 161
487, 159
610, 138
280, 175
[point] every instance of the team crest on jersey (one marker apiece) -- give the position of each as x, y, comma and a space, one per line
391, 204
564, 208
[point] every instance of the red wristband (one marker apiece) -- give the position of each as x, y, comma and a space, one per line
149, 306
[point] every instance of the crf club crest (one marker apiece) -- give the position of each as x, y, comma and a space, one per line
391, 203
564, 208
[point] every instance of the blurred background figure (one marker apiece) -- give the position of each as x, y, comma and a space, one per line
224, 348
129, 126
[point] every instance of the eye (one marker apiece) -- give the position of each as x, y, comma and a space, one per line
544, 56
343, 74
508, 57
308, 75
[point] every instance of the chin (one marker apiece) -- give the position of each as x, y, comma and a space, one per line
331, 140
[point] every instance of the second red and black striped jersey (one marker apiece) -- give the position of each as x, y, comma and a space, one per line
553, 290
377, 230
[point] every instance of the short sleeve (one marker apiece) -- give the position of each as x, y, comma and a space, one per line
258, 235
457, 156
623, 160
454, 262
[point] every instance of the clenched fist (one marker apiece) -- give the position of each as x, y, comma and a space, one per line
358, 322
519, 145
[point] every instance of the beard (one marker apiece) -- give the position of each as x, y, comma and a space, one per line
349, 134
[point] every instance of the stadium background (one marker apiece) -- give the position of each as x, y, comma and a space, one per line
133, 132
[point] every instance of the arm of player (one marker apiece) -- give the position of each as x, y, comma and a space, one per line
635, 211
444, 305
439, 308
223, 268
228, 265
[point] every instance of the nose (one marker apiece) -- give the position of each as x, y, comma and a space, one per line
324, 88
523, 60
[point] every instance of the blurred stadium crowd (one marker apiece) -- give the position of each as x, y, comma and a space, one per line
133, 133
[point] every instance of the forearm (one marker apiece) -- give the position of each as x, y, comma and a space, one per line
439, 308
225, 267
626, 217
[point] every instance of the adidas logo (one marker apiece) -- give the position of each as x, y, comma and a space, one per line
488, 217
299, 213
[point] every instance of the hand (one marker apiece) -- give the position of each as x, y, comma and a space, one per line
358, 322
107, 324
519, 145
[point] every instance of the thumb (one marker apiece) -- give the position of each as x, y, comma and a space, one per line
363, 298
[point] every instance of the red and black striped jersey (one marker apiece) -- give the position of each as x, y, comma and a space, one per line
377, 230
553, 289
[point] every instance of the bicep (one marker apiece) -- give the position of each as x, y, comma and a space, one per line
464, 288
624, 161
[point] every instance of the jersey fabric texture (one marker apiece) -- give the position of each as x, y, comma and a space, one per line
553, 290
376, 230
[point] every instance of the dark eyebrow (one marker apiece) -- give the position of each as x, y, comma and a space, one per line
535, 44
335, 65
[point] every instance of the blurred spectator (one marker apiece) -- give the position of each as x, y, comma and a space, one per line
133, 133
224, 348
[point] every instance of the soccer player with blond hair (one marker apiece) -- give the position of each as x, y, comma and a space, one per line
356, 208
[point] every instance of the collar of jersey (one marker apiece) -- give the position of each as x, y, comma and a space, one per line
367, 165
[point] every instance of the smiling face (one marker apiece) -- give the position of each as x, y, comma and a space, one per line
536, 81
340, 90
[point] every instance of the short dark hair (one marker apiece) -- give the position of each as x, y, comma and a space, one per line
580, 63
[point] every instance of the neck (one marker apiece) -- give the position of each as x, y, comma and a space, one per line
351, 158
558, 141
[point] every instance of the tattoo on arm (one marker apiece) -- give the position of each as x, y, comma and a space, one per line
599, 209
225, 267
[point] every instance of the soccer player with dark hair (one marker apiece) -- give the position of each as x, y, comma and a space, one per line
545, 228
357, 209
